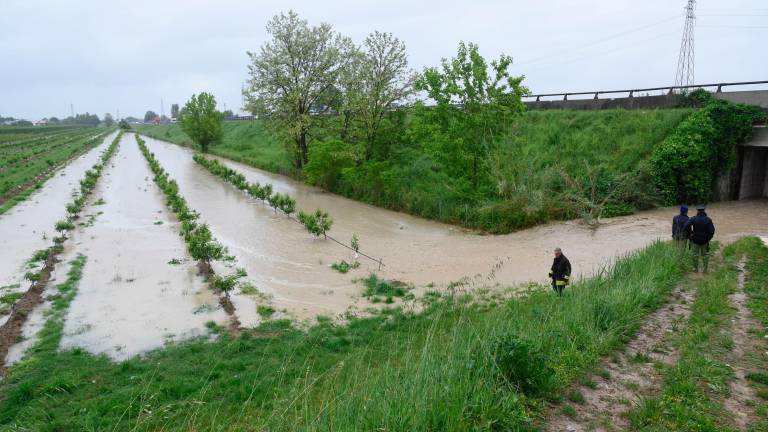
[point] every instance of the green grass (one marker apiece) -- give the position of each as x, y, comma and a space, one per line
244, 141
451, 367
691, 399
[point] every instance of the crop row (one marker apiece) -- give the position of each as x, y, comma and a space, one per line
317, 223
25, 175
201, 244
23, 152
11, 329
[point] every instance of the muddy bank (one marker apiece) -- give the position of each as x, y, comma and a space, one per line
287, 263
131, 298
28, 226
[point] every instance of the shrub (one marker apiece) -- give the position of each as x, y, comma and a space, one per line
225, 284
522, 365
380, 287
685, 165
317, 223
344, 267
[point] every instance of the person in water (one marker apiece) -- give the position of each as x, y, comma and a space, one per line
679, 235
700, 230
560, 272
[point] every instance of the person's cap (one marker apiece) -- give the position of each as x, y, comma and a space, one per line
683, 209
701, 207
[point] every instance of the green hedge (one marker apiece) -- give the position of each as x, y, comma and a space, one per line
687, 163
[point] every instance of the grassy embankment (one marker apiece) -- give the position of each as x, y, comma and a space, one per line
545, 151
29, 158
694, 388
244, 141
464, 363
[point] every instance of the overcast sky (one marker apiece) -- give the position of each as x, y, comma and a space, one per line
102, 56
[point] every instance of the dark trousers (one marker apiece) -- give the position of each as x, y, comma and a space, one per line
558, 288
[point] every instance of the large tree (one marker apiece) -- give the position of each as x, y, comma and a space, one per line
474, 105
175, 111
291, 73
381, 79
108, 120
202, 121
149, 116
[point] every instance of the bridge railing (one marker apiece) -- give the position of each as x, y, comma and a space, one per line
631, 92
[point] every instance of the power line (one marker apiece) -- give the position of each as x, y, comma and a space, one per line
598, 41
685, 61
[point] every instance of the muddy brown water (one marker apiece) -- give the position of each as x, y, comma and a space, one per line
286, 262
130, 299
28, 226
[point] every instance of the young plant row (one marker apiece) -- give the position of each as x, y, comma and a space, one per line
201, 244
87, 184
317, 223
11, 329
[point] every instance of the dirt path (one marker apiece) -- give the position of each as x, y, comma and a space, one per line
624, 379
743, 398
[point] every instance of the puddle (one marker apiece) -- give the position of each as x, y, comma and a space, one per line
130, 300
284, 261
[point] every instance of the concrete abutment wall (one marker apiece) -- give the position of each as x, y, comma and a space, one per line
749, 178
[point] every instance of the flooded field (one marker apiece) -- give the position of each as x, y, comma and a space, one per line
130, 299
287, 263
28, 226
140, 289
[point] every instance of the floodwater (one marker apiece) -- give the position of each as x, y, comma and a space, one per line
28, 226
130, 299
286, 262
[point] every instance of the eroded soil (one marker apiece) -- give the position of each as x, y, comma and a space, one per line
622, 380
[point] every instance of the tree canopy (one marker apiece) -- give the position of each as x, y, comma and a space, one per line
292, 72
202, 121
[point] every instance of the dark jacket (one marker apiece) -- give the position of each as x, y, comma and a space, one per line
700, 228
678, 226
561, 268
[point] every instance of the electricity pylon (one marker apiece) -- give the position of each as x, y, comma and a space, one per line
684, 75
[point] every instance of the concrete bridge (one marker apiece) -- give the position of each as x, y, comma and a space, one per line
749, 179
641, 98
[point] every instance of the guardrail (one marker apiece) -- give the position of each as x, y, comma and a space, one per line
632, 91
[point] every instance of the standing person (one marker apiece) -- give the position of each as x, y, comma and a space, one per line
700, 230
560, 272
678, 224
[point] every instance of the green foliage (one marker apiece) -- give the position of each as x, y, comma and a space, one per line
374, 286
328, 159
200, 242
265, 311
344, 267
226, 283
317, 223
522, 365
685, 166
355, 243
473, 105
202, 246
64, 225
123, 125
202, 121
